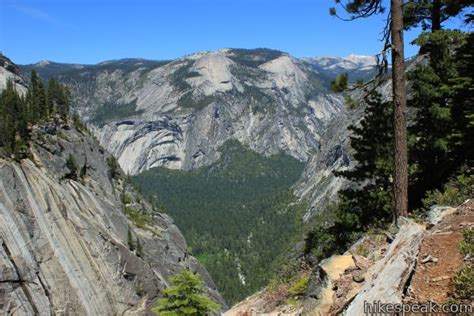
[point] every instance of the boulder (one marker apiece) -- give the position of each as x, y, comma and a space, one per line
386, 280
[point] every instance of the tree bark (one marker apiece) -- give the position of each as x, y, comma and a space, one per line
399, 99
436, 16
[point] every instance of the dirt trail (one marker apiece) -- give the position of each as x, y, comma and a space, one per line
439, 258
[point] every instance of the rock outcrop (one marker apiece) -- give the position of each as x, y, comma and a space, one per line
387, 279
416, 265
10, 71
84, 246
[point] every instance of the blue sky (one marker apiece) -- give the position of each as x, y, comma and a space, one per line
90, 31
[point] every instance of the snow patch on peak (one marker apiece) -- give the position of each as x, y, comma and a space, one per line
362, 60
349, 62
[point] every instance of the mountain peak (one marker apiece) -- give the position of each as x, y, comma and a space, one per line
362, 59
43, 63
357, 66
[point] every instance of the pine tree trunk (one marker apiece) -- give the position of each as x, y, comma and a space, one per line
399, 100
436, 16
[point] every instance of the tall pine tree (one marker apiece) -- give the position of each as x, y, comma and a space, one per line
38, 101
434, 154
368, 201
394, 41
13, 118
431, 14
17, 112
462, 100
58, 98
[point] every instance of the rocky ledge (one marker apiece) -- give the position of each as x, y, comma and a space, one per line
81, 242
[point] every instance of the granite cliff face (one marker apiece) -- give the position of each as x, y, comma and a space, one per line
10, 71
318, 185
85, 246
66, 244
176, 114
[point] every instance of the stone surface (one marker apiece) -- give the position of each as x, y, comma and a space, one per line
11, 72
64, 243
386, 280
438, 212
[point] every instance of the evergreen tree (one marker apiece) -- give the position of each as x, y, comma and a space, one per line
58, 98
39, 104
185, 296
341, 82
462, 100
13, 120
139, 248
17, 112
431, 14
441, 141
434, 155
52, 95
394, 41
131, 244
7, 132
368, 201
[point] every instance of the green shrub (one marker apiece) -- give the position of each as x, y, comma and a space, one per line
83, 172
321, 240
297, 290
178, 77
21, 150
125, 198
463, 280
139, 248
62, 135
140, 219
455, 192
464, 284
114, 167
340, 84
299, 286
467, 245
198, 103
78, 124
73, 168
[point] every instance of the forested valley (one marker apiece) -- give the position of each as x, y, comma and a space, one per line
238, 214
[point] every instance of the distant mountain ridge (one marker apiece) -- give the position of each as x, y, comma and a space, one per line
358, 67
327, 65
176, 114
